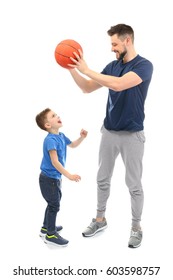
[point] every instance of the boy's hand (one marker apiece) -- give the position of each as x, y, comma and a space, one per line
83, 133
74, 177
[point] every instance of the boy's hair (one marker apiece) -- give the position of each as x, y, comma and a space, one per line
121, 30
41, 118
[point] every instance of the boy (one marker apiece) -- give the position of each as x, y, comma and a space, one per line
52, 168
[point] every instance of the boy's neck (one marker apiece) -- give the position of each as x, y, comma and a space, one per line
53, 131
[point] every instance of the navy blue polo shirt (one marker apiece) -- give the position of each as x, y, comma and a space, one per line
125, 109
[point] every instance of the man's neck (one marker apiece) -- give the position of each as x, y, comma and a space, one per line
129, 56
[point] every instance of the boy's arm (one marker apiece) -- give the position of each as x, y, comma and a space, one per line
83, 135
60, 168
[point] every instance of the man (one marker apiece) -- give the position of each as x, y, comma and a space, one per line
127, 78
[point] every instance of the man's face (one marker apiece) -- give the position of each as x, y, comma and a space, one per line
119, 46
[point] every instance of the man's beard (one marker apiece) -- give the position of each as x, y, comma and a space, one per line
122, 55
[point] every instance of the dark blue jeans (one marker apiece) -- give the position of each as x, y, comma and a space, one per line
51, 191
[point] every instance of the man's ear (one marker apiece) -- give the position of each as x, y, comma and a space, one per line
128, 40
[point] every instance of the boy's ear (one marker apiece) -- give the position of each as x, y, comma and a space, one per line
47, 125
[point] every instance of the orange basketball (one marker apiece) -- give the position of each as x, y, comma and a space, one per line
64, 50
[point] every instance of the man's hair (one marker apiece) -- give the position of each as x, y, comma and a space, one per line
41, 118
122, 30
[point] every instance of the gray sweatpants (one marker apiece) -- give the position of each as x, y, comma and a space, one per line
131, 147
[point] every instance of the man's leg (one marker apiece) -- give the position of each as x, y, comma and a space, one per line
107, 155
132, 151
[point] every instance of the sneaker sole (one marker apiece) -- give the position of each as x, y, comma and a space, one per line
55, 244
42, 235
92, 234
133, 247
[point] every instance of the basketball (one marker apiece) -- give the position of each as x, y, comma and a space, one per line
64, 50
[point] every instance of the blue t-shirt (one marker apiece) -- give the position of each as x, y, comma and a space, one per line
56, 142
125, 109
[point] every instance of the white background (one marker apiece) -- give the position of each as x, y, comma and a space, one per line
31, 80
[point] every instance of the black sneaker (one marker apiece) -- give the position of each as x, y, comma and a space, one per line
43, 231
55, 239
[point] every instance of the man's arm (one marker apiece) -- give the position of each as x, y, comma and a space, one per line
84, 84
128, 80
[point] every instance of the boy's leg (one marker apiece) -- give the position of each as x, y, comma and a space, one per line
51, 191
45, 218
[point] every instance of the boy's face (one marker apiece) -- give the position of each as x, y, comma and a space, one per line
53, 121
